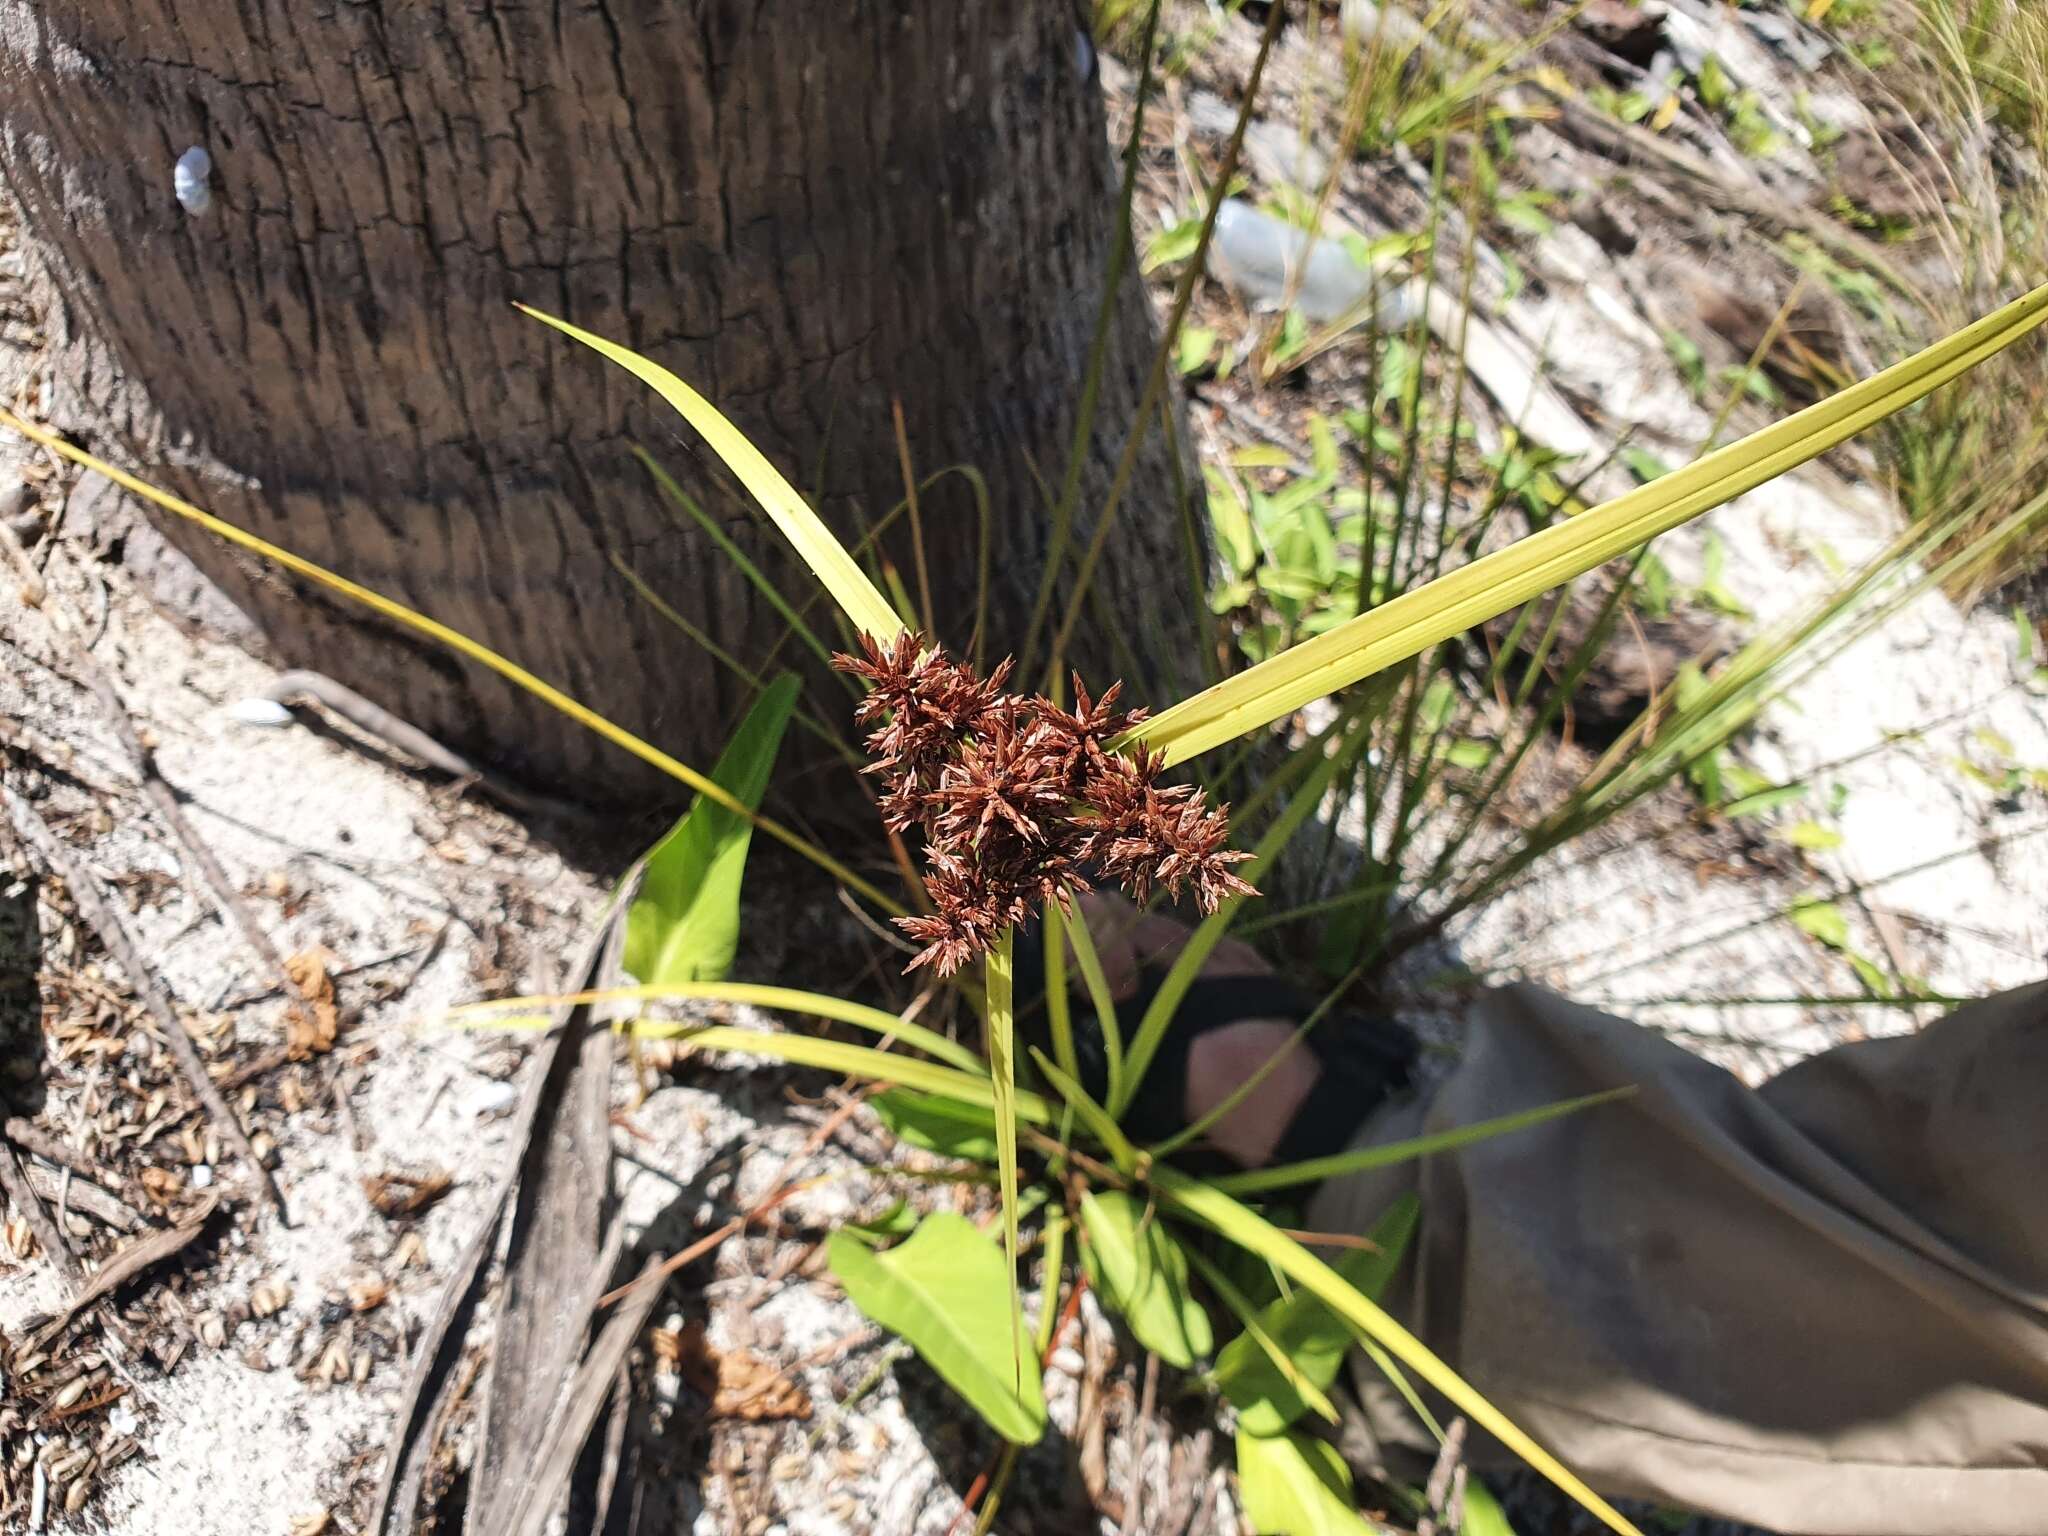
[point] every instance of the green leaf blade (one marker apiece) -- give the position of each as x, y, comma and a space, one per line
813, 542
1138, 1266
684, 923
1296, 1486
1315, 1338
1411, 623
942, 1290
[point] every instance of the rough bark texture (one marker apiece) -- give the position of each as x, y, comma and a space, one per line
806, 207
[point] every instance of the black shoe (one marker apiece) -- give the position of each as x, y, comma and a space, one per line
1362, 1060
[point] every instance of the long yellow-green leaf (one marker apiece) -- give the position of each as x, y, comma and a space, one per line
1090, 961
860, 1061
1093, 1117
1247, 1312
460, 643
806, 532
1247, 1229
857, 1061
1506, 579
817, 1005
1316, 1169
1002, 1074
1301, 1331
1058, 1009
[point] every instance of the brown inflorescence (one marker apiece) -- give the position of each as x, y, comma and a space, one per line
1021, 801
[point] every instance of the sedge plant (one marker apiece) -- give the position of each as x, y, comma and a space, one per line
1148, 1231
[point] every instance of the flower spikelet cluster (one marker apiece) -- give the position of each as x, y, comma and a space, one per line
1020, 801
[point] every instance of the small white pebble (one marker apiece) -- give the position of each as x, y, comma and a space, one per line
202, 1177
1068, 1362
260, 711
188, 180
495, 1099
121, 1419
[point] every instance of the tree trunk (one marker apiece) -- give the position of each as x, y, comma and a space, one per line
807, 209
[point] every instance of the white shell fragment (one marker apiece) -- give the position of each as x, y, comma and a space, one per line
257, 710
188, 180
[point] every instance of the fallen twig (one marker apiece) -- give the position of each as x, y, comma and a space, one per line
99, 915
14, 1179
144, 1253
409, 739
88, 1198
437, 1352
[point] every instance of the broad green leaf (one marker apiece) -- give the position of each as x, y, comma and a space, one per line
899, 1221
1245, 1227
1822, 919
1197, 342
944, 1292
812, 540
1507, 578
684, 923
1002, 1073
1811, 834
1247, 1312
1294, 1485
941, 1125
1483, 1514
1136, 1265
1314, 1338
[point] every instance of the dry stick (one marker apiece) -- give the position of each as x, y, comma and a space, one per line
409, 739
14, 1179
98, 914
87, 1198
34, 1139
144, 1253
1147, 1399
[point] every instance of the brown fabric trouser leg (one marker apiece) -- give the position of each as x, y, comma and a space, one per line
1820, 1306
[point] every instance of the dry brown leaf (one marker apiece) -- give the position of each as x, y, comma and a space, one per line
160, 1184
310, 1023
315, 1522
393, 1195
741, 1384
366, 1292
